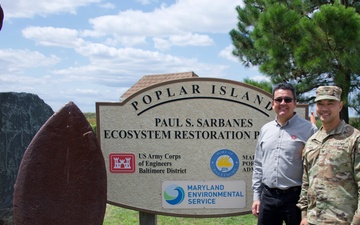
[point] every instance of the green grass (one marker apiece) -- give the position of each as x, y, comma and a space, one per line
119, 216
91, 118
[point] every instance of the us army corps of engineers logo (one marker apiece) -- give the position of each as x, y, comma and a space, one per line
122, 163
224, 163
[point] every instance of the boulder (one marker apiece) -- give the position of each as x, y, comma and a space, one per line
21, 116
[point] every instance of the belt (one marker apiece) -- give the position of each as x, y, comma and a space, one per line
281, 191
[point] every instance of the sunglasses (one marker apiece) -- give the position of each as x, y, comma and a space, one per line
286, 99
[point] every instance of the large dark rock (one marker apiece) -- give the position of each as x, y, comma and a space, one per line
21, 116
62, 176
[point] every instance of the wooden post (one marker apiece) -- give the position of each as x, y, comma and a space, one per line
312, 118
147, 218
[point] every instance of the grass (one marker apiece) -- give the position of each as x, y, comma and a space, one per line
91, 118
119, 216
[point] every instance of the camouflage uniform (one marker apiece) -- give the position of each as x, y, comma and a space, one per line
331, 178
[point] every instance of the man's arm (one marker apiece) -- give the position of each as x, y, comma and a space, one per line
257, 172
303, 200
356, 218
257, 179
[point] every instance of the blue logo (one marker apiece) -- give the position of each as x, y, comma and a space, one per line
224, 163
174, 194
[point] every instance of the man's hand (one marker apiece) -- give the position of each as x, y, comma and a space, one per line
255, 208
304, 222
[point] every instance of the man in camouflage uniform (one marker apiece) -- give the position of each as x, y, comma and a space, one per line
331, 177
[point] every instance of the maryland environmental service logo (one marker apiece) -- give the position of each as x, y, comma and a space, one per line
224, 163
174, 194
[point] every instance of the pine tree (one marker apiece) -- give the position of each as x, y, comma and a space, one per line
307, 43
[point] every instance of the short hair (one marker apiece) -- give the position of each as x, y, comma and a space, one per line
284, 86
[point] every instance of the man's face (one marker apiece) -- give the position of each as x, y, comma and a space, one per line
284, 104
328, 110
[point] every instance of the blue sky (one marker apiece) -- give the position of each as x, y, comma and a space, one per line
89, 51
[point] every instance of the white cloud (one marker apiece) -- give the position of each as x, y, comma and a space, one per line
182, 40
185, 16
260, 78
27, 9
107, 5
100, 57
13, 61
146, 2
86, 91
126, 41
50, 36
106, 63
227, 54
176, 25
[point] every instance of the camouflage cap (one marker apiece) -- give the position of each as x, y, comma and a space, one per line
328, 92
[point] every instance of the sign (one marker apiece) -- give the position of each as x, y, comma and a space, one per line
203, 194
166, 141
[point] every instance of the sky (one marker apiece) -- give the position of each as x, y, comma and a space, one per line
89, 51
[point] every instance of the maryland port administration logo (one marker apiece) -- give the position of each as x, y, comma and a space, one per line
224, 163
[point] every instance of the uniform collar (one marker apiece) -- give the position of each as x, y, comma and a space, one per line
338, 130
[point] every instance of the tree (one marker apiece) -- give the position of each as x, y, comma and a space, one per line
264, 85
308, 43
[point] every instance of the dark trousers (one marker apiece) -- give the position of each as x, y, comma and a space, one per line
277, 206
